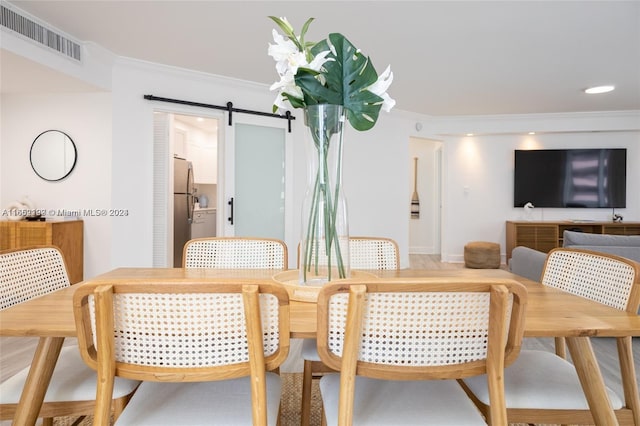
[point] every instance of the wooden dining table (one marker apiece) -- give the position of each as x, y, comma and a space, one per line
550, 313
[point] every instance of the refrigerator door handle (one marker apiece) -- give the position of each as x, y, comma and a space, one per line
190, 178
190, 208
230, 218
190, 193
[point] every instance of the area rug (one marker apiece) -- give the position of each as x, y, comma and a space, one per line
290, 407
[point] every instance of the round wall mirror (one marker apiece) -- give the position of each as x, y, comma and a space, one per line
53, 155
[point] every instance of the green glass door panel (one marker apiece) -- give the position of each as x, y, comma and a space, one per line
259, 196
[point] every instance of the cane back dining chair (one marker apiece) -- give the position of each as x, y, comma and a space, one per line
542, 387
29, 273
235, 253
400, 345
371, 253
201, 349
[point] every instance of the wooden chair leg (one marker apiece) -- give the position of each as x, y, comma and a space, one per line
305, 413
561, 347
628, 372
561, 350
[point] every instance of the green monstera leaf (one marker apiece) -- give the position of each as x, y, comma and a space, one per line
332, 71
344, 82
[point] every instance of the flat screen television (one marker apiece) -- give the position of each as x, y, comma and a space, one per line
582, 178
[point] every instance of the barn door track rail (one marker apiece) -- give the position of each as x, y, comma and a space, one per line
229, 108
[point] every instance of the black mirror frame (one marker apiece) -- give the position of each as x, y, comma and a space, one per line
75, 156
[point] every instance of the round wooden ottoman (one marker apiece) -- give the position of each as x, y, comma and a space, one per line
482, 255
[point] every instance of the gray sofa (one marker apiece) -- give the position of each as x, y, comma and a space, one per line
621, 245
529, 263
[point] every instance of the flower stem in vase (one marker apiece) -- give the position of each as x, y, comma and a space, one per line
325, 239
333, 82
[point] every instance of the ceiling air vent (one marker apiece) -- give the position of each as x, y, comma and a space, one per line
38, 33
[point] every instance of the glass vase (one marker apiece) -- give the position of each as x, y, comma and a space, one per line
324, 245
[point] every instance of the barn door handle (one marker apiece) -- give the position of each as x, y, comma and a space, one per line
230, 218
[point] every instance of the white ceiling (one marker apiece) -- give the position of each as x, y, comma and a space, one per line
448, 57
207, 125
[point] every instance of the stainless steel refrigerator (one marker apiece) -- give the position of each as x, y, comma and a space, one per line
183, 203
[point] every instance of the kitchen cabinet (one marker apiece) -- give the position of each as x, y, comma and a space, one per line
205, 163
198, 145
66, 235
204, 223
180, 143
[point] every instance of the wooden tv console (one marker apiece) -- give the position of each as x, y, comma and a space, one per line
544, 236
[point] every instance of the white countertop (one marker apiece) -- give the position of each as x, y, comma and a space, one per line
205, 209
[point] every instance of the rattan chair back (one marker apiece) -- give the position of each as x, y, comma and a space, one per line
31, 272
608, 279
373, 253
186, 332
545, 388
420, 330
235, 253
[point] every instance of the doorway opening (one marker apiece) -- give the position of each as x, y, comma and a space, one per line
239, 165
185, 182
426, 219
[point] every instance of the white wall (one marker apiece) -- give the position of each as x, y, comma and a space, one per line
375, 181
86, 118
375, 172
479, 184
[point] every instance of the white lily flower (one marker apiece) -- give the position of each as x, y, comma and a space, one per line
387, 102
287, 84
282, 49
383, 82
289, 58
320, 59
295, 61
282, 104
380, 88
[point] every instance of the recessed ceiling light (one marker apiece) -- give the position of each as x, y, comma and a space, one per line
532, 133
469, 134
599, 89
